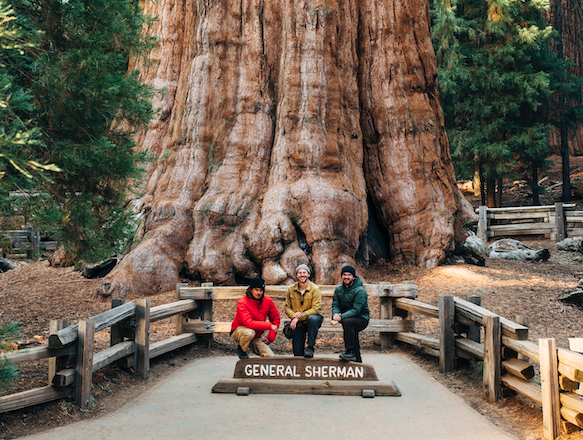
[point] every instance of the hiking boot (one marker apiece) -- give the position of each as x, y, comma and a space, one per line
349, 356
241, 353
309, 353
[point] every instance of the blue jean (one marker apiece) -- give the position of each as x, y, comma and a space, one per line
308, 328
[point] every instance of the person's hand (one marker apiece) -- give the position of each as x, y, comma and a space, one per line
294, 323
274, 327
266, 341
298, 315
336, 317
333, 323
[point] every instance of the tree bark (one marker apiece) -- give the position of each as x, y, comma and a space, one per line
281, 122
572, 47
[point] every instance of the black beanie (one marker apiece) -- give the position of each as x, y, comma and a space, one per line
348, 269
257, 282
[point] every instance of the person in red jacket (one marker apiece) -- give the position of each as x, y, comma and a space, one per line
251, 321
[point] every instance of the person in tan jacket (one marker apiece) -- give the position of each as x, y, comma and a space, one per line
302, 304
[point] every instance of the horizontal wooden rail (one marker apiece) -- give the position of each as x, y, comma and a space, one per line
571, 358
166, 310
528, 389
103, 320
528, 209
526, 348
161, 347
472, 347
416, 307
112, 354
36, 353
37, 396
476, 313
521, 369
279, 292
418, 340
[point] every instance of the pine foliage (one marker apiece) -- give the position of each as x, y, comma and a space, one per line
8, 371
496, 77
20, 163
87, 107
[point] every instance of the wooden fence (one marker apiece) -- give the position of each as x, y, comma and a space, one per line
555, 222
508, 357
25, 241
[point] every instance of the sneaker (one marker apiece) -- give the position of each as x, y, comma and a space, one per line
309, 353
241, 353
349, 356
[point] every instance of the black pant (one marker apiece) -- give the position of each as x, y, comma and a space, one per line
352, 326
308, 328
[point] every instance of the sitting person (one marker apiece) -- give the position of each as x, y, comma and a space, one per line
350, 308
250, 321
302, 304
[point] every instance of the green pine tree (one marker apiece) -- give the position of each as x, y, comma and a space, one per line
496, 75
21, 167
88, 106
8, 371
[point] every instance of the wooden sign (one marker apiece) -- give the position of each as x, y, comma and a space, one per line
299, 368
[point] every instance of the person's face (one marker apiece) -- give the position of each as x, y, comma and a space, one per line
347, 278
257, 292
303, 275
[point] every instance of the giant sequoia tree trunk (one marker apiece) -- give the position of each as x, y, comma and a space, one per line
572, 38
289, 128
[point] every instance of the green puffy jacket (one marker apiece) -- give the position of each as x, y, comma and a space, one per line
352, 301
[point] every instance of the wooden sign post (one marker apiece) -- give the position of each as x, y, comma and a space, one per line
295, 375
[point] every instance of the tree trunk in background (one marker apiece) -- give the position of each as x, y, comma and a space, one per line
572, 37
491, 192
289, 128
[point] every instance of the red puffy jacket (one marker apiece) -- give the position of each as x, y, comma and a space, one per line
252, 313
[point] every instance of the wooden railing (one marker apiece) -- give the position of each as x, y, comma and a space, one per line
70, 351
506, 353
552, 221
26, 241
508, 358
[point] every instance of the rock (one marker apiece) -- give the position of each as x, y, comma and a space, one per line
510, 249
575, 297
475, 247
574, 244
6, 265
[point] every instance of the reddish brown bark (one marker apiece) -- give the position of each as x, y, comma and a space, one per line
284, 119
572, 38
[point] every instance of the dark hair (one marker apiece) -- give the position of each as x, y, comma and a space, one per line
255, 283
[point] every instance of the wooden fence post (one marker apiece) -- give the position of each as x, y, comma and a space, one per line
56, 363
560, 221
492, 358
483, 223
117, 331
446, 333
385, 312
522, 320
142, 340
181, 317
474, 330
206, 311
549, 378
84, 367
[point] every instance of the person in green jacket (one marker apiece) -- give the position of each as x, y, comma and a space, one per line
350, 308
